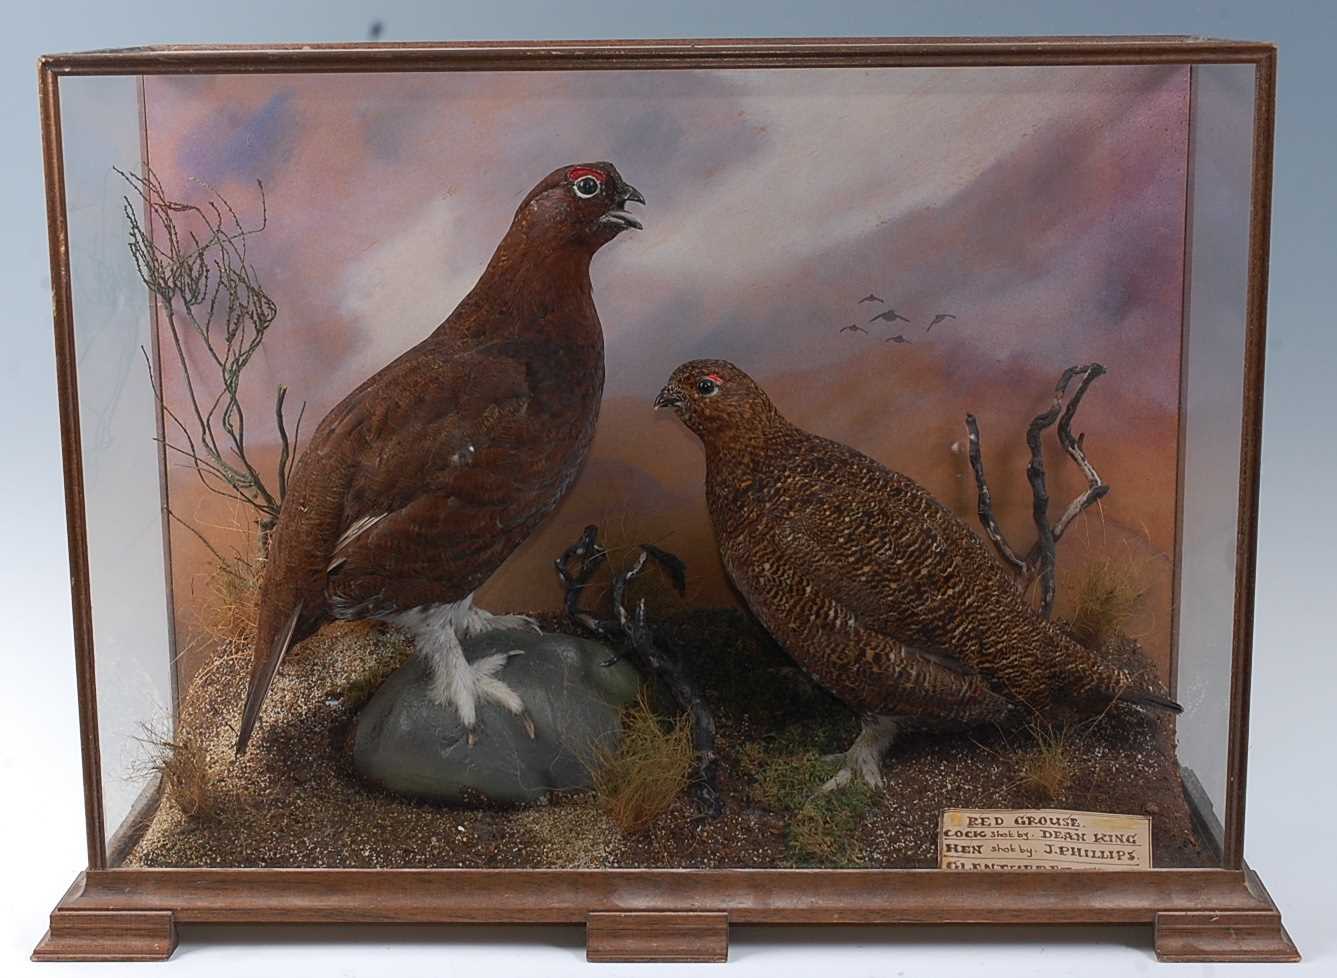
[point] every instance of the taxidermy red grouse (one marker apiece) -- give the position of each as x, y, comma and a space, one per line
876, 589
417, 485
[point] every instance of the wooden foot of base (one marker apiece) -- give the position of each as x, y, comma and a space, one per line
627, 937
1238, 936
108, 935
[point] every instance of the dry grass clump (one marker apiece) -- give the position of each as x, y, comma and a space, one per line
228, 610
182, 763
652, 764
1106, 599
225, 593
1046, 770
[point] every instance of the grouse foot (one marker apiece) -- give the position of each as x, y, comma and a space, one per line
477, 683
864, 758
456, 683
476, 621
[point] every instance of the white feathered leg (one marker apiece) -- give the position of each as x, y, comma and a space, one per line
864, 757
475, 621
455, 682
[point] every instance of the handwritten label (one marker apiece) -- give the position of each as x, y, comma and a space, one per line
1042, 839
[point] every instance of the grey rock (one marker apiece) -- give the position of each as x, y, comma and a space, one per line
407, 744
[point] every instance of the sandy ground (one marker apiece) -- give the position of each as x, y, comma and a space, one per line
293, 799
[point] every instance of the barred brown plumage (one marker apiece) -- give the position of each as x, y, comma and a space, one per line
875, 588
419, 483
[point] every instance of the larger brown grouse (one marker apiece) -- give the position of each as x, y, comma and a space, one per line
418, 484
883, 595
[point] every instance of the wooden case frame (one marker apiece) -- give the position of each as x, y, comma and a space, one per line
1221, 914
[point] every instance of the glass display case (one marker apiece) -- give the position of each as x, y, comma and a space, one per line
501, 477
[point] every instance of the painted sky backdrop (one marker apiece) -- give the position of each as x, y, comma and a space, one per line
1042, 206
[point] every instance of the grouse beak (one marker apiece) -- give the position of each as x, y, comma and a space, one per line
668, 397
618, 216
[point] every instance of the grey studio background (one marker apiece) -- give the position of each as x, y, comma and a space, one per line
1291, 791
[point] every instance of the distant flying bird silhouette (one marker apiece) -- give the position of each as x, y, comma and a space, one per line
853, 328
898, 338
890, 316
871, 297
939, 318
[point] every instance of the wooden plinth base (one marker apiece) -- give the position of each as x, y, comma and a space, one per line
1240, 936
108, 935
673, 915
626, 937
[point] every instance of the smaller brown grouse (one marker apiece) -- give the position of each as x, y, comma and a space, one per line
876, 589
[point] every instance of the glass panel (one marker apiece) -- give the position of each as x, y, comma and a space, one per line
100, 129
884, 251
1222, 177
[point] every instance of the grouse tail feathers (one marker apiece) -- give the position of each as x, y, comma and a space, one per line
1093, 676
273, 639
1157, 701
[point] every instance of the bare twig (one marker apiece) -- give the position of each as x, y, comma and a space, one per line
1044, 533
224, 564
591, 557
1040, 560
1074, 447
985, 508
193, 259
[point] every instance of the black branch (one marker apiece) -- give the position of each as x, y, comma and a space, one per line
1040, 559
985, 507
576, 567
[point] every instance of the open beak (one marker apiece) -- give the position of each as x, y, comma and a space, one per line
619, 216
668, 397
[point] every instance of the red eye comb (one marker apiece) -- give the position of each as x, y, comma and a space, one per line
576, 172
715, 377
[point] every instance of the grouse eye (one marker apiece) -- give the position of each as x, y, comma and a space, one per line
705, 386
587, 186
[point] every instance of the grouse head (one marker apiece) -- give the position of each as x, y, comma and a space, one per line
582, 205
716, 399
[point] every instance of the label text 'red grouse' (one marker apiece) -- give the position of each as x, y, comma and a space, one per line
1039, 840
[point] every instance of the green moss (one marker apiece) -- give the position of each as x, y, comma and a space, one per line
784, 782
790, 723
822, 827
825, 831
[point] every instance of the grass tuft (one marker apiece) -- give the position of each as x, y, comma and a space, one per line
637, 782
1106, 599
1046, 770
183, 765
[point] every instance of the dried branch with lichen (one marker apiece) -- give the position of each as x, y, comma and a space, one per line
575, 568
1039, 561
193, 259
